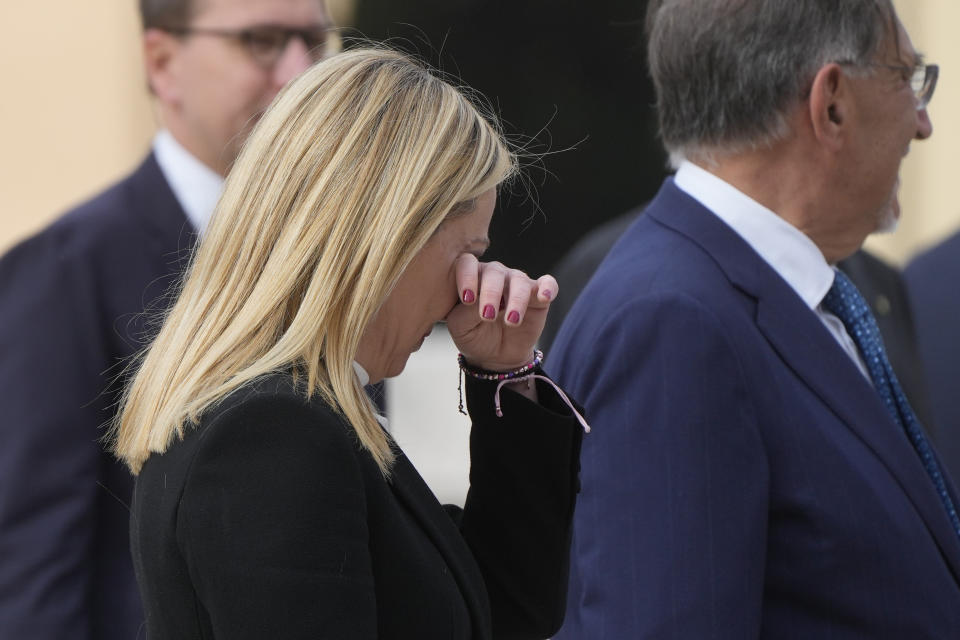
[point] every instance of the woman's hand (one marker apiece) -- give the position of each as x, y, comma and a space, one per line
500, 315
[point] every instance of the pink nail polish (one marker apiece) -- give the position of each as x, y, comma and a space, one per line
548, 294
513, 317
468, 296
489, 313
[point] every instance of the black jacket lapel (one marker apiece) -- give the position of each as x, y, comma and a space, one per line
412, 491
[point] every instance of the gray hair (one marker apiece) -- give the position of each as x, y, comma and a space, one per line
727, 71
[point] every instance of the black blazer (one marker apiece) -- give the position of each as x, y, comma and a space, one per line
269, 521
71, 299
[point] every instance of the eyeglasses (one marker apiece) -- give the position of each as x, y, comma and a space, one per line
266, 43
923, 81
922, 78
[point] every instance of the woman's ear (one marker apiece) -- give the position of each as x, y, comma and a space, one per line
829, 106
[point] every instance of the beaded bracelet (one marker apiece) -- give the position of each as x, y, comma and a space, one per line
483, 374
527, 373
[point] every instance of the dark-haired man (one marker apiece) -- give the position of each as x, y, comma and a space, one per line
72, 298
755, 470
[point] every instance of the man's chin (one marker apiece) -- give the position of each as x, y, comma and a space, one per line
888, 225
889, 218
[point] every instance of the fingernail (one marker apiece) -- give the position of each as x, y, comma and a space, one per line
548, 294
468, 296
513, 317
489, 313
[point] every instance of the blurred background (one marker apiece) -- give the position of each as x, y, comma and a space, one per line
567, 78
568, 81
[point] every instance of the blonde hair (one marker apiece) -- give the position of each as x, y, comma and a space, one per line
339, 186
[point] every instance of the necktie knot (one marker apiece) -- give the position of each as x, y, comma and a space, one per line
845, 301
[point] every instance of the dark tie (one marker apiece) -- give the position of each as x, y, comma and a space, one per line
844, 301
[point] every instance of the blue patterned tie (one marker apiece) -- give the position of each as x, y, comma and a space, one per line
844, 301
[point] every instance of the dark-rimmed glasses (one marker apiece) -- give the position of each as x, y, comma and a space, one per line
266, 43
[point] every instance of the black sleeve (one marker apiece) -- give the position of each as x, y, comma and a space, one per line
273, 526
518, 514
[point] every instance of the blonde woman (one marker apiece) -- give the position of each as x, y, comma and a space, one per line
270, 502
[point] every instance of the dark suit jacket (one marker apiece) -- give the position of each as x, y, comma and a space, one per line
269, 521
743, 479
881, 285
70, 299
933, 280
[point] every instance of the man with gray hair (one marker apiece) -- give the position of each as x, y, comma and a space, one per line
755, 470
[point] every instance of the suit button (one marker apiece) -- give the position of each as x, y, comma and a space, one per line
882, 305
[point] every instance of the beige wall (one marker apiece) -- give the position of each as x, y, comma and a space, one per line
75, 115
930, 206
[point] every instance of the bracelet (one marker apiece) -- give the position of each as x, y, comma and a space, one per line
563, 397
527, 373
483, 374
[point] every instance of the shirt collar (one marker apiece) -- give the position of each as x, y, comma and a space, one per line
362, 374
364, 379
196, 186
785, 248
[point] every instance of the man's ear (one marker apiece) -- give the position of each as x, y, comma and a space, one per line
830, 107
160, 50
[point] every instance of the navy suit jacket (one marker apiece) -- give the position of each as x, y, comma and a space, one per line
881, 285
71, 303
743, 478
932, 284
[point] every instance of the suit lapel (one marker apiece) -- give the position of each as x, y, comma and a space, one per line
814, 356
161, 216
411, 490
800, 339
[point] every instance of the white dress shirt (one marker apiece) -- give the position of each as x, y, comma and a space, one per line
785, 248
364, 379
196, 186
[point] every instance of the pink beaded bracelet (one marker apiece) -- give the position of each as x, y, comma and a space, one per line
527, 373
484, 374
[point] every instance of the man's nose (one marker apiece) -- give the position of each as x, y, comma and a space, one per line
924, 125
